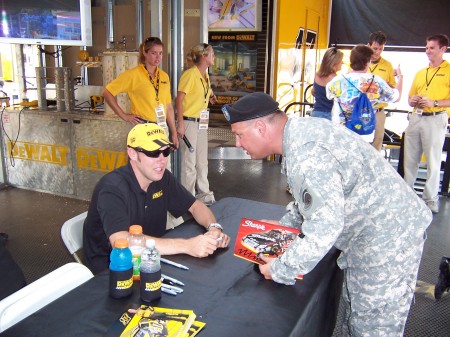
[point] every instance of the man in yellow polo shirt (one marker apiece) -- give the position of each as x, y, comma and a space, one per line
430, 98
383, 68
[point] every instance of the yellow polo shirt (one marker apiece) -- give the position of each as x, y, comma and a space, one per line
385, 70
136, 83
433, 83
197, 90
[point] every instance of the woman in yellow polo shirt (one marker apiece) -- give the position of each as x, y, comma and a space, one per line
148, 88
194, 93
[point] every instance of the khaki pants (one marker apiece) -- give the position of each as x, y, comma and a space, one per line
194, 165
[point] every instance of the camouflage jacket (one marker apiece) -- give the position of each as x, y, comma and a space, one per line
346, 195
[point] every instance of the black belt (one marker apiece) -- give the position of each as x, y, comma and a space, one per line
143, 121
431, 113
191, 119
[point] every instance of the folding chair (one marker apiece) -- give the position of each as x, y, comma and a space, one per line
72, 234
39, 293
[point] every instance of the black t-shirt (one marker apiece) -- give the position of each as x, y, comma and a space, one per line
119, 202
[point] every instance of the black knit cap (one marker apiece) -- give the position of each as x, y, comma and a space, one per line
251, 106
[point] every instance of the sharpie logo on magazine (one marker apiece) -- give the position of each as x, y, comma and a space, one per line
250, 223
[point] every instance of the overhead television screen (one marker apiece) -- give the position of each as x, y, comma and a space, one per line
57, 22
234, 15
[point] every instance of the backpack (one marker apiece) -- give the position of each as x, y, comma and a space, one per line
362, 120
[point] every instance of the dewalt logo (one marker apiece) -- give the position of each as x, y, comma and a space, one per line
153, 286
125, 284
157, 195
100, 160
45, 153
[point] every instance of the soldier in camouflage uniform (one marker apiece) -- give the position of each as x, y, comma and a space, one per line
347, 196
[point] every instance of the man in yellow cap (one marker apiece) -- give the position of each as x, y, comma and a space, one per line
142, 192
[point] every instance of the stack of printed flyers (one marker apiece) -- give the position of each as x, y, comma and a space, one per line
155, 321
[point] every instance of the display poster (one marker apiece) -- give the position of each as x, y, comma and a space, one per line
233, 74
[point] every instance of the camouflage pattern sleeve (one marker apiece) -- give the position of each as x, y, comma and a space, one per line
317, 188
292, 218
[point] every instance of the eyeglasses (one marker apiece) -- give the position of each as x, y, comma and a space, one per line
155, 153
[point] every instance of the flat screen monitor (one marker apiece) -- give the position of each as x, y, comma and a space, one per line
234, 16
46, 22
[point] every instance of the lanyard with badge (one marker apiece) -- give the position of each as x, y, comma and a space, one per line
372, 70
204, 114
159, 109
420, 110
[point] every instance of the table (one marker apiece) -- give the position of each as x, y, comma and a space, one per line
223, 290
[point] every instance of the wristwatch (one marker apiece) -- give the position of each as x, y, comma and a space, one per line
216, 225
436, 104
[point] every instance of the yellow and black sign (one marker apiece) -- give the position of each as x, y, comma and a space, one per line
46, 153
100, 160
87, 158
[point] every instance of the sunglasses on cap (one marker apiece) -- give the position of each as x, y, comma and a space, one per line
153, 154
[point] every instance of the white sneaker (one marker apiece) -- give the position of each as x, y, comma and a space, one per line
433, 206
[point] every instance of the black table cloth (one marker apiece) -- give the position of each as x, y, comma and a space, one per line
224, 291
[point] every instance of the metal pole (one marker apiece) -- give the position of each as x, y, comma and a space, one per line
155, 17
204, 21
140, 22
177, 17
110, 24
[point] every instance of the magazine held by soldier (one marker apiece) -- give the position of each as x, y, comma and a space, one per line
256, 237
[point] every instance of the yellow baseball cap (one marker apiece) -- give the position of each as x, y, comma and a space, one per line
148, 136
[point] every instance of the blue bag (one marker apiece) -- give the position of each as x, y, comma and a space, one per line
362, 120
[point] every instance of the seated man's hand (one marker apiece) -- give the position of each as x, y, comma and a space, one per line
221, 238
201, 245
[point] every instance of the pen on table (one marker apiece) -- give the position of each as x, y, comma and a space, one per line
168, 291
178, 265
171, 279
172, 288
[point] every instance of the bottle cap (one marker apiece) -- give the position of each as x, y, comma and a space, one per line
121, 243
136, 229
150, 243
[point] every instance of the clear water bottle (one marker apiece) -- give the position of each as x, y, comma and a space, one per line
150, 286
120, 270
136, 242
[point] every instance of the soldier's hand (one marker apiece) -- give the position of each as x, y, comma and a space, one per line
265, 268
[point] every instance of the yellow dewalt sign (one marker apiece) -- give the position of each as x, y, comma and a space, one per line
46, 153
100, 160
